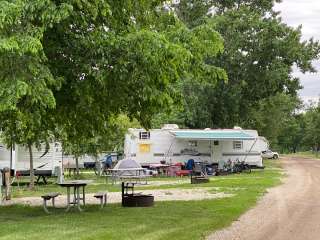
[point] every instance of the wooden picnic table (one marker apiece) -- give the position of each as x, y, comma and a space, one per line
75, 185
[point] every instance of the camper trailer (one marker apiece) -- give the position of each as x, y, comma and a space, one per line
172, 145
45, 163
17, 159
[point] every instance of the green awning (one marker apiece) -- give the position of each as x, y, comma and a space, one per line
212, 135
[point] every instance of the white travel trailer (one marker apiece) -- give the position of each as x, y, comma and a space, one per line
171, 145
17, 159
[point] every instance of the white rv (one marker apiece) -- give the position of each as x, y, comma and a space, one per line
17, 159
171, 145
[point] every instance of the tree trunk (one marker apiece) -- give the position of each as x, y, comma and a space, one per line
31, 186
77, 167
11, 149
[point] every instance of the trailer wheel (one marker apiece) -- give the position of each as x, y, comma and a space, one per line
275, 156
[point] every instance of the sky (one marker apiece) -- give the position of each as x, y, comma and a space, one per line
307, 14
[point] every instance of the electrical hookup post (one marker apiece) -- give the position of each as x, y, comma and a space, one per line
58, 172
5, 185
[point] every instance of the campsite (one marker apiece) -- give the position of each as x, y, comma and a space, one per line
159, 119
214, 207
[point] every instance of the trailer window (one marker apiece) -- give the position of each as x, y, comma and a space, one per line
144, 135
237, 144
144, 148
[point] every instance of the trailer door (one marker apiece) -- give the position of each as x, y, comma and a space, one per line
216, 151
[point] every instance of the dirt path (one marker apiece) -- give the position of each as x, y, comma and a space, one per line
115, 197
289, 211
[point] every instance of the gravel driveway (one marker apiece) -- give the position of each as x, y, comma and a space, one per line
290, 211
115, 197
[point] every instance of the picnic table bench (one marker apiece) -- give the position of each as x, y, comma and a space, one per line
103, 198
49, 196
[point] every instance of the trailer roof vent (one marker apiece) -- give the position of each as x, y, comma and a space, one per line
207, 129
170, 126
237, 128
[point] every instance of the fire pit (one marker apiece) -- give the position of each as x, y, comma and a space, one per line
199, 179
135, 200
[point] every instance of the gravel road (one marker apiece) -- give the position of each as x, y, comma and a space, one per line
115, 197
289, 211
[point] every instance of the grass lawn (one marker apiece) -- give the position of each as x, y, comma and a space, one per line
166, 220
307, 154
22, 190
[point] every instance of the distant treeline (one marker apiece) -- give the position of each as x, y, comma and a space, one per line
260, 91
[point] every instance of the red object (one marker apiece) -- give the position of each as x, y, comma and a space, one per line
179, 164
173, 169
181, 173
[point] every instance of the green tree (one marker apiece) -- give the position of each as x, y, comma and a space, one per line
272, 115
312, 129
122, 59
26, 82
260, 51
196, 12
292, 134
72, 67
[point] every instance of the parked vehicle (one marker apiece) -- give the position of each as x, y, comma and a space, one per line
173, 145
270, 154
